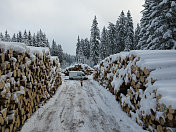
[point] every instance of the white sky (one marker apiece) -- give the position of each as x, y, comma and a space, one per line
64, 20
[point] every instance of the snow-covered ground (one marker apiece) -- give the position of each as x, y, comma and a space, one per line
90, 108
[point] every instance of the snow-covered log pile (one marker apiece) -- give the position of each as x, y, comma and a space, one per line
28, 78
144, 83
79, 67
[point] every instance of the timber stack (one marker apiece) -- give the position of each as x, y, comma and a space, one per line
144, 83
28, 78
87, 70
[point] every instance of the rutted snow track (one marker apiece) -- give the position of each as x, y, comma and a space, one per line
90, 108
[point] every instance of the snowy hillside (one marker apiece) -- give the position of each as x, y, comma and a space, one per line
28, 78
144, 83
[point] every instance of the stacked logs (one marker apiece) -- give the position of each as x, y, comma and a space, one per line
87, 70
129, 82
27, 81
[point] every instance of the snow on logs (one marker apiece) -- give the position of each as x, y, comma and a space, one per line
87, 70
144, 83
28, 78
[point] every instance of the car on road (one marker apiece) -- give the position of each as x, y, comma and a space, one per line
77, 75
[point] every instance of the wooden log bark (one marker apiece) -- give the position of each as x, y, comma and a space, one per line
2, 57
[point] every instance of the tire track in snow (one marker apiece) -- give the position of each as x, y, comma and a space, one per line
99, 119
43, 118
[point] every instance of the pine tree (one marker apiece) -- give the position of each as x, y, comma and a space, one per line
95, 41
104, 44
14, 39
136, 36
121, 31
129, 41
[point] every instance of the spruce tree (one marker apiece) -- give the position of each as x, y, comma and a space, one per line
7, 37
41, 39
117, 37
47, 43
1, 37
25, 38
95, 41
136, 36
163, 26
112, 39
30, 41
158, 25
44, 40
86, 48
77, 46
54, 49
104, 44
129, 41
19, 37
60, 53
14, 39
145, 24
81, 49
34, 40
121, 31
38, 42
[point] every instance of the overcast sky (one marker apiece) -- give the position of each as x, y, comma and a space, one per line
64, 20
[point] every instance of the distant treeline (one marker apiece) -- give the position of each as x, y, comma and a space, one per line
39, 39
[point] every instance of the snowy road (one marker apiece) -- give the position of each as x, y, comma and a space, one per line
90, 108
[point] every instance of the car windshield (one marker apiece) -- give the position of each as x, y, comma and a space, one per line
79, 74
